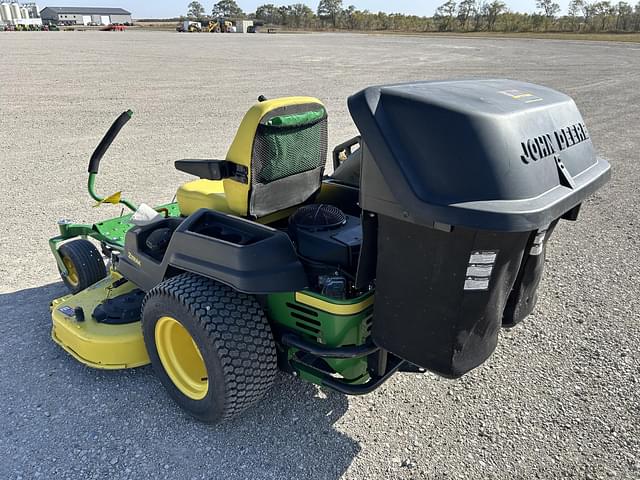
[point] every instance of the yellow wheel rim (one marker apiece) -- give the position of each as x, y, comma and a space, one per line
181, 358
72, 272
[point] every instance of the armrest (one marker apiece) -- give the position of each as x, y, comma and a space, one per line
213, 169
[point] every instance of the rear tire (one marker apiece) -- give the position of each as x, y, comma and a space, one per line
230, 363
84, 264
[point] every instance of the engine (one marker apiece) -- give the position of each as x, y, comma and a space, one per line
328, 242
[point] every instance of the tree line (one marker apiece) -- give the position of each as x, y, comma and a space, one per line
451, 16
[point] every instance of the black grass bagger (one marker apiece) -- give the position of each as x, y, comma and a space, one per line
429, 237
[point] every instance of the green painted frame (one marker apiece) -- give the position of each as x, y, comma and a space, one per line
111, 232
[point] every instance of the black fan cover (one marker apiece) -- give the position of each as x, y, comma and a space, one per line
317, 217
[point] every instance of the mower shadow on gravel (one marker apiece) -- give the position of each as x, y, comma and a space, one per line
289, 435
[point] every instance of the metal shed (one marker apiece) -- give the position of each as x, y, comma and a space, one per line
85, 15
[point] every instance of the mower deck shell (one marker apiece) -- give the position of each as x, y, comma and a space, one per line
97, 345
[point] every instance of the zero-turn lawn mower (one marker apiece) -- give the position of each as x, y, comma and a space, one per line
428, 237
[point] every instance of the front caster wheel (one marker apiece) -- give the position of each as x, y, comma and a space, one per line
84, 264
211, 346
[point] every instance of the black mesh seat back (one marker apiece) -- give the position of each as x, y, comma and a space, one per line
288, 158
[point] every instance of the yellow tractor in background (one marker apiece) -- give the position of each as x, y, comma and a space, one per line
219, 25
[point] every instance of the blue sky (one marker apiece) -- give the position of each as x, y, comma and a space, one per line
165, 8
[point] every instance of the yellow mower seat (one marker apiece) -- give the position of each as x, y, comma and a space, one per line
202, 194
275, 162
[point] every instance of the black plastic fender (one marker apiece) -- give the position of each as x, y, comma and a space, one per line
245, 255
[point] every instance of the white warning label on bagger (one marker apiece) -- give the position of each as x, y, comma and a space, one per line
476, 284
479, 269
538, 242
483, 257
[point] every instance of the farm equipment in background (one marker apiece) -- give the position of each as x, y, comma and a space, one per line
21, 27
428, 237
113, 27
189, 26
220, 25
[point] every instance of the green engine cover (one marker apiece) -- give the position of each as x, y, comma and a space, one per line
330, 322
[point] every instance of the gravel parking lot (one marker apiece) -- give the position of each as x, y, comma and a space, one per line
560, 398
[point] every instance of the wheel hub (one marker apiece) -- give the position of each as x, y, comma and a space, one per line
72, 273
181, 358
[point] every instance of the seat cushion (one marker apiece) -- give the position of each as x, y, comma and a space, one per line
202, 194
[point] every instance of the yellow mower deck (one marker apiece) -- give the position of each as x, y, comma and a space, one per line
95, 344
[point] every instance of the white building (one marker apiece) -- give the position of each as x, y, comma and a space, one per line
85, 15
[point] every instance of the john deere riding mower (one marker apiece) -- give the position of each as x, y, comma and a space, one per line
427, 238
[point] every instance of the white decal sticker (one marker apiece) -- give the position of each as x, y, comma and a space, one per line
483, 257
479, 270
476, 284
538, 243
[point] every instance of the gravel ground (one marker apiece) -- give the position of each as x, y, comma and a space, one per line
559, 398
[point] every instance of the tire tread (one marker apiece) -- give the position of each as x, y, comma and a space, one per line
238, 330
87, 260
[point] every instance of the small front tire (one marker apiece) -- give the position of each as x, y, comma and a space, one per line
84, 264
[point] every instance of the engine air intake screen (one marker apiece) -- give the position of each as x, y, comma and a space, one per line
318, 217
